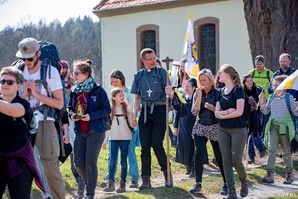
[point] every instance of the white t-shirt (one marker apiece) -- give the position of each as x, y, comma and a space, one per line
54, 83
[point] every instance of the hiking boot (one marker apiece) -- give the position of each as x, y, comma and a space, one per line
122, 187
103, 184
263, 153
251, 161
269, 178
146, 183
244, 188
134, 184
289, 178
196, 188
224, 190
232, 194
110, 186
170, 183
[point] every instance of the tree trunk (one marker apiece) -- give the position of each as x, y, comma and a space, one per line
273, 29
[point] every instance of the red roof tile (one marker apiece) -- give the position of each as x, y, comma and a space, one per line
114, 4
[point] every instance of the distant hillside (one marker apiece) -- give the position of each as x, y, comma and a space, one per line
76, 39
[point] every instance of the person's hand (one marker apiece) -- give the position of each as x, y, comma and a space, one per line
199, 90
169, 91
231, 110
66, 139
262, 99
211, 107
104, 145
85, 117
74, 117
175, 131
31, 84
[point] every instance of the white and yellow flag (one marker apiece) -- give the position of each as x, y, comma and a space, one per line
291, 82
190, 51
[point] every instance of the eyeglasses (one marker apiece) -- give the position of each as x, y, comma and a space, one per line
29, 59
76, 73
8, 81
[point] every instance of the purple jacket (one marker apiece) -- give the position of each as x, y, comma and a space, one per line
26, 153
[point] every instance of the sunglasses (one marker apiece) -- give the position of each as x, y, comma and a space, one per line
8, 81
28, 59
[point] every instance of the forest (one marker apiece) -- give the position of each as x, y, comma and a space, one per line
77, 38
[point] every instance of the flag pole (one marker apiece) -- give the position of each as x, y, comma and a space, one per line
167, 61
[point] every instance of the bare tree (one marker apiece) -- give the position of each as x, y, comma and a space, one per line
273, 29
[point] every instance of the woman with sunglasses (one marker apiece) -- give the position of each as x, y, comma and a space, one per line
206, 127
89, 105
17, 165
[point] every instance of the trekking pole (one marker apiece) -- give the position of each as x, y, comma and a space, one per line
246, 155
167, 61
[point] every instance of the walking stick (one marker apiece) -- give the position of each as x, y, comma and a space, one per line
167, 61
246, 155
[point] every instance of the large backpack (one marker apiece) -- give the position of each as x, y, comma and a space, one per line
49, 57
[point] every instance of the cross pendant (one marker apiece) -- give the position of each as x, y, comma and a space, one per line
149, 92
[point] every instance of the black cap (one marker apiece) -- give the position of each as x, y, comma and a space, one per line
260, 58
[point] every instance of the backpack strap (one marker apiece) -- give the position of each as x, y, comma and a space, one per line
253, 73
287, 98
268, 75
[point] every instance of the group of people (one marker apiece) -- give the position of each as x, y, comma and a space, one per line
210, 108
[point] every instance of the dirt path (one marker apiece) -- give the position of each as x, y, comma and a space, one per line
256, 191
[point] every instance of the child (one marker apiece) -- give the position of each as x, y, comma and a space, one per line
119, 137
279, 129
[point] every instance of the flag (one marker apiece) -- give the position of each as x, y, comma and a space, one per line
290, 82
190, 51
174, 73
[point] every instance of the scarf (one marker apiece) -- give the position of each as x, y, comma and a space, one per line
86, 86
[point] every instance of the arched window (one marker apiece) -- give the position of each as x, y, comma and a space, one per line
147, 37
207, 38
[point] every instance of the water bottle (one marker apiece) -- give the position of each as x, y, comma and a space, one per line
34, 123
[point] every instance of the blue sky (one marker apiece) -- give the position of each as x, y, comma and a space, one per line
18, 12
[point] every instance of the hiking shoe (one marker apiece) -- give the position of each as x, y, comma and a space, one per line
196, 188
169, 183
289, 178
251, 161
146, 183
244, 188
122, 187
110, 186
103, 184
134, 184
269, 178
232, 194
224, 190
263, 153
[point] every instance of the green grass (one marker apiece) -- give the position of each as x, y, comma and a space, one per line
211, 184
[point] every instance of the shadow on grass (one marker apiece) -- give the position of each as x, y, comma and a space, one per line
161, 192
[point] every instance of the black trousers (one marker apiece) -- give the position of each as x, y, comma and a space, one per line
20, 186
152, 135
200, 153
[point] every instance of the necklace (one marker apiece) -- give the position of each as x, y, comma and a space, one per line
149, 91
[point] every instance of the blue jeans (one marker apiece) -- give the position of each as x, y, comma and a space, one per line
132, 158
115, 145
255, 140
86, 150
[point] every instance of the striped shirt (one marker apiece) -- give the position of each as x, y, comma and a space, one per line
279, 107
